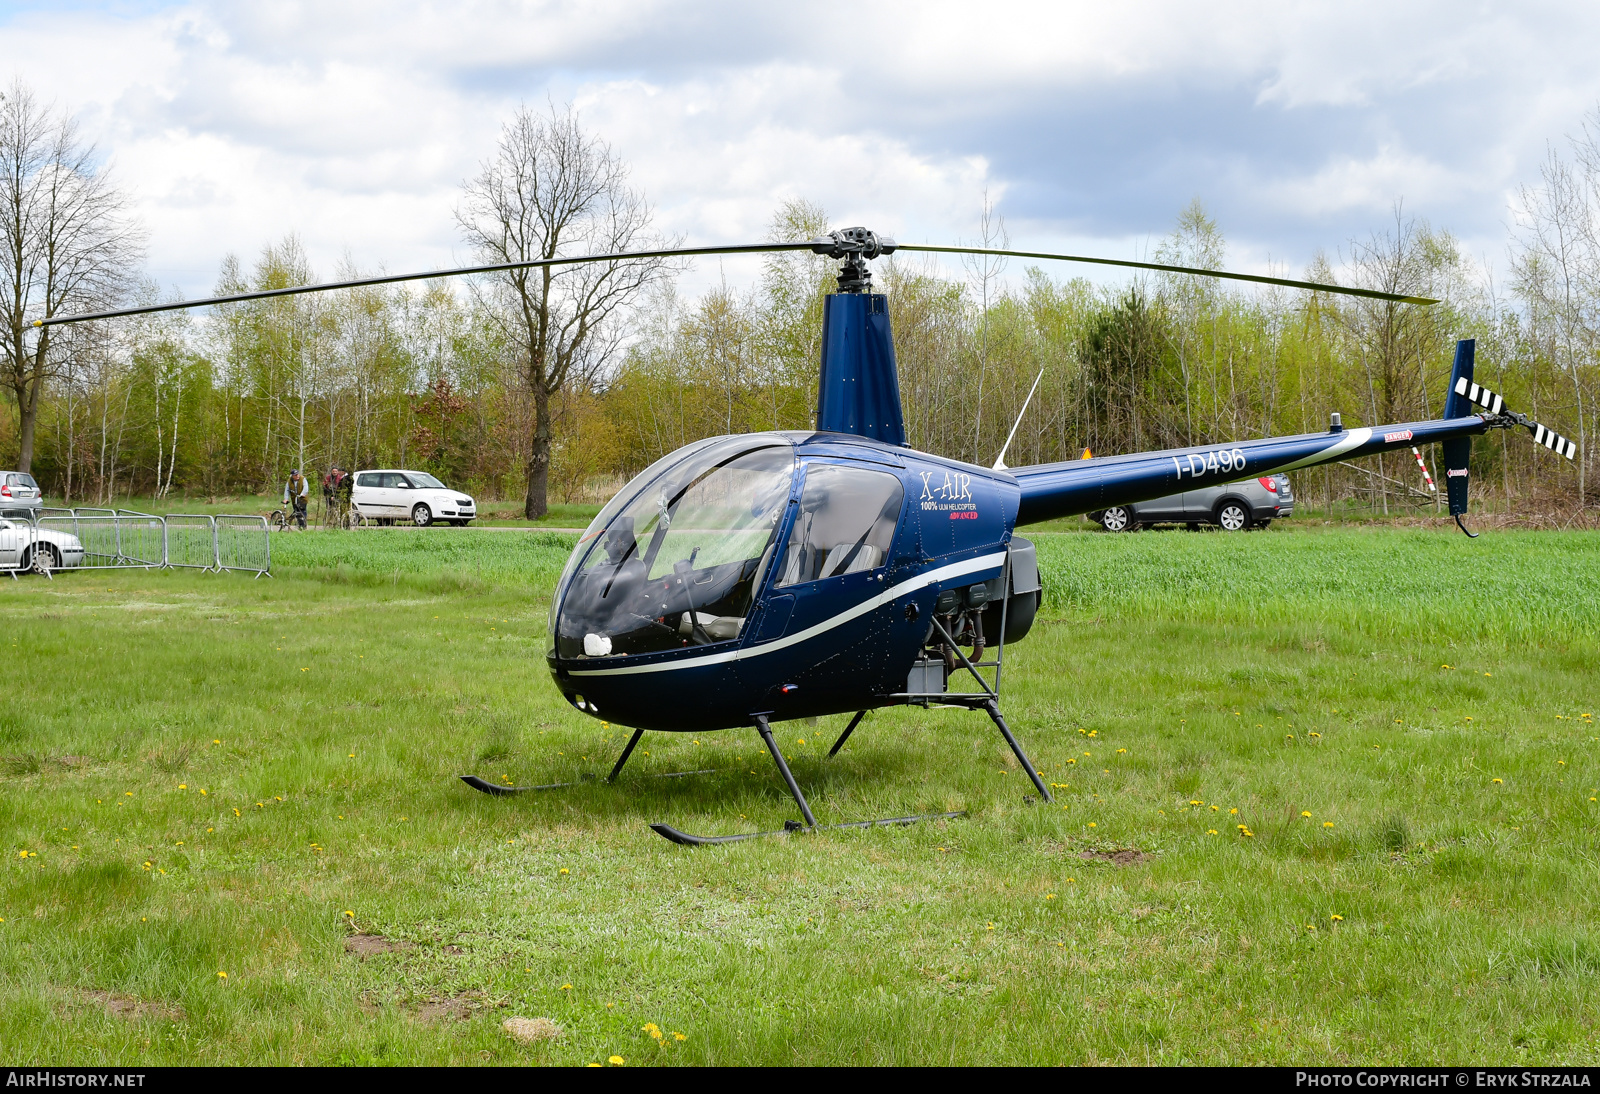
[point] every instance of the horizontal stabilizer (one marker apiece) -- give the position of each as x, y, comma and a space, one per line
1494, 404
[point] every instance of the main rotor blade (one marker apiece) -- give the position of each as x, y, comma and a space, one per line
390, 279
1314, 286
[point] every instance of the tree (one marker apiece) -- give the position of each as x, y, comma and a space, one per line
65, 246
551, 190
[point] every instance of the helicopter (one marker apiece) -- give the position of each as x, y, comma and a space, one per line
758, 578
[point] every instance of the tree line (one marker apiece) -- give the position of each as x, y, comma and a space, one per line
557, 383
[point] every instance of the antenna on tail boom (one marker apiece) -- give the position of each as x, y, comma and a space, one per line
1000, 460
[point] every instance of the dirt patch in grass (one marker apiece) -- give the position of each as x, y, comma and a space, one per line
529, 1031
450, 1008
130, 1007
1125, 857
365, 945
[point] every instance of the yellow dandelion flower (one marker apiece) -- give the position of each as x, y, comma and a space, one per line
991, 926
1336, 917
1049, 896
1311, 926
1327, 824
351, 914
1215, 808
1233, 812
1211, 831
183, 786
616, 1061
216, 740
802, 740
678, 1037
1092, 824
1304, 814
1122, 751
564, 870
1497, 780
1196, 801
566, 987
221, 975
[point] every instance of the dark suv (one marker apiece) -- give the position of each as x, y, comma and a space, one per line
1233, 506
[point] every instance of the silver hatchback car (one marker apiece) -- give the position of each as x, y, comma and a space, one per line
19, 491
1233, 506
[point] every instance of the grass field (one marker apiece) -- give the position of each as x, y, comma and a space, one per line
207, 775
496, 514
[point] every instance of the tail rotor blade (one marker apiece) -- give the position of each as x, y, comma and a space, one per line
1495, 404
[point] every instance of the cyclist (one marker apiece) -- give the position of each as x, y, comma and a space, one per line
297, 490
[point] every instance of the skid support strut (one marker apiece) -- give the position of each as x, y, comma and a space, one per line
991, 703
626, 752
845, 736
1027, 764
777, 757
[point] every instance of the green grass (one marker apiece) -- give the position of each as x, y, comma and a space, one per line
1274, 674
496, 514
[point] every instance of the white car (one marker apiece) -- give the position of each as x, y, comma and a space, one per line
23, 547
416, 496
18, 490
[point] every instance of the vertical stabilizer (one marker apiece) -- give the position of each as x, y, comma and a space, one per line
860, 385
1458, 451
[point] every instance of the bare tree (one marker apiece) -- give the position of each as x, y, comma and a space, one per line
65, 244
984, 272
1557, 271
551, 190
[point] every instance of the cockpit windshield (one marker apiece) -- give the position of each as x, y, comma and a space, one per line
677, 565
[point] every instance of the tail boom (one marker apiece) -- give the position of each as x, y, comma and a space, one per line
1054, 490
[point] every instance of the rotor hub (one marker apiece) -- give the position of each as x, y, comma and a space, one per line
855, 247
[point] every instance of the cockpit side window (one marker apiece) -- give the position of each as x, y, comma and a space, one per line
845, 525
678, 565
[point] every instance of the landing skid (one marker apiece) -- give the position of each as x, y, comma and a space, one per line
501, 791
688, 839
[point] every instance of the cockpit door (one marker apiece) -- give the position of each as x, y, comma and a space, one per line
836, 557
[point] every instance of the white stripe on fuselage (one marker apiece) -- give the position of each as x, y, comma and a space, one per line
1355, 438
921, 581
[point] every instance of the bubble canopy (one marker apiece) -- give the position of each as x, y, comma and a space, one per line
674, 561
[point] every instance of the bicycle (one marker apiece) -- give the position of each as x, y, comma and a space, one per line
284, 520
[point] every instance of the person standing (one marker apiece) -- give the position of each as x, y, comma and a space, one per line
297, 491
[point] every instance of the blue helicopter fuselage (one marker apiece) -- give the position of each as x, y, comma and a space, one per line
823, 644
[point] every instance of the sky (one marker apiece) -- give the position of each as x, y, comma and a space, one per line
1090, 125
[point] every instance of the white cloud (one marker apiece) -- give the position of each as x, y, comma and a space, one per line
353, 124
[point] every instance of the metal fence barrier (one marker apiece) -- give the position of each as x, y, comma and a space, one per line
191, 542
53, 539
244, 545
